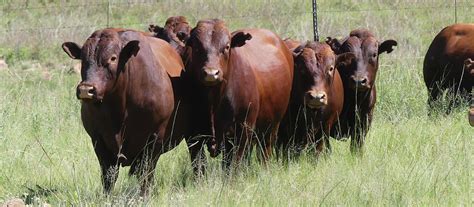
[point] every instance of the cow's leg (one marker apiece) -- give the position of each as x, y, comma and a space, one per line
135, 167
358, 133
282, 145
453, 98
198, 158
286, 136
150, 156
357, 141
433, 97
228, 155
243, 142
108, 165
304, 134
327, 135
146, 174
266, 143
322, 146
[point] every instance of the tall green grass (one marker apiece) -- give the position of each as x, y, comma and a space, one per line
410, 159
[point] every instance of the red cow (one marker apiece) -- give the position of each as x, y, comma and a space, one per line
443, 65
358, 62
241, 87
316, 101
127, 100
176, 31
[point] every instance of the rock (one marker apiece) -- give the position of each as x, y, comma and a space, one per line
3, 65
16, 202
46, 75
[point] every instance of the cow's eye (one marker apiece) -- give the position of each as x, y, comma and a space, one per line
331, 69
374, 55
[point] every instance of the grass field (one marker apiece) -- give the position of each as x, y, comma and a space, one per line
410, 159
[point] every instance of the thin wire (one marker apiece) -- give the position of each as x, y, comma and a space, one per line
74, 6
136, 23
51, 28
397, 9
224, 17
7, 9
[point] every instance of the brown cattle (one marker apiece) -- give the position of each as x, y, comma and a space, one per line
358, 62
443, 65
241, 87
180, 127
317, 97
176, 32
126, 100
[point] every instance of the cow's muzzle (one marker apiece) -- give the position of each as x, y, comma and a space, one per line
211, 76
361, 83
86, 92
316, 99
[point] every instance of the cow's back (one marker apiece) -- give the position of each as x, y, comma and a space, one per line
167, 56
265, 63
446, 54
292, 44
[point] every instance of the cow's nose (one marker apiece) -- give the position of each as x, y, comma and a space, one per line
316, 99
211, 75
361, 82
85, 91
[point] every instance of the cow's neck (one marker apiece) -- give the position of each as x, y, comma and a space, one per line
115, 103
358, 102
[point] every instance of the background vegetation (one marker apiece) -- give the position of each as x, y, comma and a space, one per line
410, 158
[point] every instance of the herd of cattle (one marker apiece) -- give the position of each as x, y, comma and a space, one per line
142, 93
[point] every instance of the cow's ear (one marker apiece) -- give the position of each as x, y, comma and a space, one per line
238, 39
151, 28
72, 49
387, 46
159, 31
297, 51
130, 49
334, 43
344, 59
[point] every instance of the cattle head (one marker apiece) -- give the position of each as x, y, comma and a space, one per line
210, 44
469, 66
315, 65
358, 57
175, 31
103, 56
